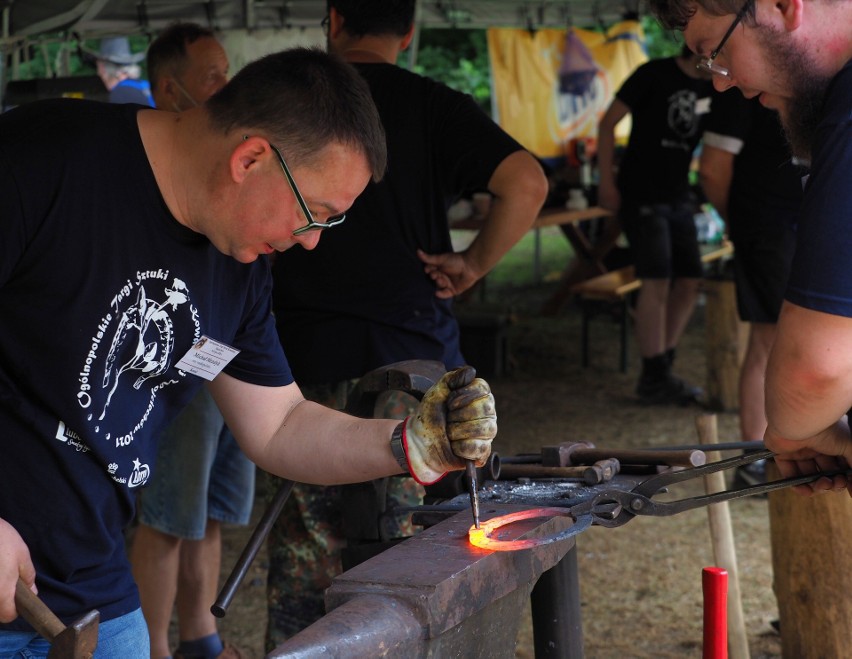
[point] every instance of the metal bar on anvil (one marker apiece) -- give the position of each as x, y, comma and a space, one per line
444, 596
755, 445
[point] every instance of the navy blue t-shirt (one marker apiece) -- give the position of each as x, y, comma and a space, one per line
361, 298
102, 292
821, 279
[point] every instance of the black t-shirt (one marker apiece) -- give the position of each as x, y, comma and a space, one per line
102, 292
766, 189
667, 108
361, 299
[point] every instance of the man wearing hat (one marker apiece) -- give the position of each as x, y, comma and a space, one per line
120, 71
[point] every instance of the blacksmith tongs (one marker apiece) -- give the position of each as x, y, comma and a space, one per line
613, 507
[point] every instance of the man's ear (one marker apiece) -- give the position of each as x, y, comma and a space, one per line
792, 11
406, 40
167, 93
786, 14
336, 23
246, 157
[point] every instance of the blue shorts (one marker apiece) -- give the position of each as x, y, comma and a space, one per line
664, 241
125, 637
200, 474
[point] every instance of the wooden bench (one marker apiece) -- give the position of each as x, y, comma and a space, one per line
618, 287
602, 291
722, 251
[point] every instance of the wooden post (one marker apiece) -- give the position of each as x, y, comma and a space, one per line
722, 537
726, 337
811, 554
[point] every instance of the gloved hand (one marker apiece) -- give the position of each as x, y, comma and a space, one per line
455, 421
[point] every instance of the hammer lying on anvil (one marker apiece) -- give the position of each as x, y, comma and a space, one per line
76, 641
601, 471
582, 460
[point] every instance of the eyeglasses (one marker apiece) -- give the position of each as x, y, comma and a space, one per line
709, 63
324, 24
312, 224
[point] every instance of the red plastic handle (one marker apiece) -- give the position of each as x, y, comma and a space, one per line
714, 583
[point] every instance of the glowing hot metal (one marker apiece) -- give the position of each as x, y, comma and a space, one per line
483, 537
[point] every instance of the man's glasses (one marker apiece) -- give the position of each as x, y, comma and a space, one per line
709, 63
312, 224
324, 24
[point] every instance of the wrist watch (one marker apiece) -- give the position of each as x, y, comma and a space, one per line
397, 448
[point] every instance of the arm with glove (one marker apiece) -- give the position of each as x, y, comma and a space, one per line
456, 421
306, 442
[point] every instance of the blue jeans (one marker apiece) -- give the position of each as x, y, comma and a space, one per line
200, 474
125, 637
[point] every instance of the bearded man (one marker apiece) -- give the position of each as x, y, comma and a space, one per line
796, 57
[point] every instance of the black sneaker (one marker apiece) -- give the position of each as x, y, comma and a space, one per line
753, 473
669, 391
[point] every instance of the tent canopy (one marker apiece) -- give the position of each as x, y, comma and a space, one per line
93, 18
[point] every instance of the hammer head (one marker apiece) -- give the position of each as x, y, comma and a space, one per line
78, 640
560, 455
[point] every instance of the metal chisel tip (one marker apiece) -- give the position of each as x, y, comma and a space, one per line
470, 469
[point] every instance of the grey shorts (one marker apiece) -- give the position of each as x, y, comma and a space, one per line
200, 474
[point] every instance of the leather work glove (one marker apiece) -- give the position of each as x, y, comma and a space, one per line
455, 421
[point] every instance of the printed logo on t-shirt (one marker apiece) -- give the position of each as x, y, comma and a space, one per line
129, 358
71, 438
683, 119
139, 475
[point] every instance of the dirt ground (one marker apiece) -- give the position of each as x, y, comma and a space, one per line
641, 583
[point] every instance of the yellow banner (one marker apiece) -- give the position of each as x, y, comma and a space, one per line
525, 74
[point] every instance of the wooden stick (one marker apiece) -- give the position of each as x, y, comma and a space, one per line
722, 537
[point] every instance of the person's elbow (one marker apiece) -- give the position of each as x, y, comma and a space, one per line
805, 394
521, 181
535, 185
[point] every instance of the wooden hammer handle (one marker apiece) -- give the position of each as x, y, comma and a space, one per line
36, 612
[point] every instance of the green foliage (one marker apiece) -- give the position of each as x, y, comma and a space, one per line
58, 55
659, 41
459, 59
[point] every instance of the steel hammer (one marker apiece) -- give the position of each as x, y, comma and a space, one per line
76, 641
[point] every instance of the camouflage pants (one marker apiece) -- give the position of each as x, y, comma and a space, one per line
306, 542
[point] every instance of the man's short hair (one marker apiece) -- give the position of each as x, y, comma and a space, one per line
168, 51
376, 17
676, 14
302, 99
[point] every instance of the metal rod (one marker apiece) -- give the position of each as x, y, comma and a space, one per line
258, 537
431, 508
755, 445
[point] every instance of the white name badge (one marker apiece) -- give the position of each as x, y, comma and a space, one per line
207, 358
702, 105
